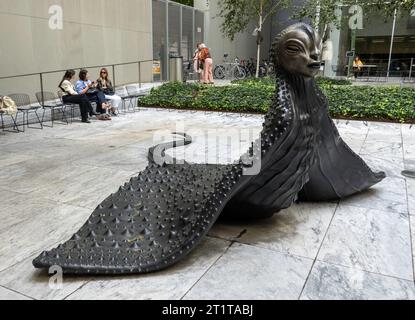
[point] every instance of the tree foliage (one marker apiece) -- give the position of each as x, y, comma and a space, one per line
237, 14
328, 9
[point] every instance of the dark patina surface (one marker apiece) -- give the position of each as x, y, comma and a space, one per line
161, 215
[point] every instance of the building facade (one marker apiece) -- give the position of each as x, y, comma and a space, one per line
47, 35
385, 44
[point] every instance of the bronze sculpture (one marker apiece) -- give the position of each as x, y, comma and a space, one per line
160, 216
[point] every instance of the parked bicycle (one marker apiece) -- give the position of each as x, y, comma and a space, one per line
229, 70
265, 68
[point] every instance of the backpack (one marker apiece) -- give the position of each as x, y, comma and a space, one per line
7, 106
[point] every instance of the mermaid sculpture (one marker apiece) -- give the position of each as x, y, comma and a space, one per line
162, 214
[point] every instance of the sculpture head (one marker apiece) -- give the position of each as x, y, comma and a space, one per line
297, 50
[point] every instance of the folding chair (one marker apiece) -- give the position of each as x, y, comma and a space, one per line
71, 106
22, 101
14, 119
134, 97
48, 101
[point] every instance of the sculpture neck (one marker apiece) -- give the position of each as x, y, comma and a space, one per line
303, 90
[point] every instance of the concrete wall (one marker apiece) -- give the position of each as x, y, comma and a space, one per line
95, 33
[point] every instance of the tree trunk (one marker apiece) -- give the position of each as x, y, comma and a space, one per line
258, 56
259, 39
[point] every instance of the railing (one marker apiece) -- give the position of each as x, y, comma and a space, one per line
41, 75
399, 68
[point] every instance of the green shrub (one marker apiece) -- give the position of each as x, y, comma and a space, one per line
253, 95
369, 102
269, 81
323, 81
266, 81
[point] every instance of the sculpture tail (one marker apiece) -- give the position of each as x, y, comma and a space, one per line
157, 154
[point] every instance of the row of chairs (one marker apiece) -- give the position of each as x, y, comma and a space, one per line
50, 101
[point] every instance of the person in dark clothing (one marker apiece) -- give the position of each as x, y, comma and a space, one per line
69, 95
89, 88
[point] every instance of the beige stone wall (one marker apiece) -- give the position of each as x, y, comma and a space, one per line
95, 33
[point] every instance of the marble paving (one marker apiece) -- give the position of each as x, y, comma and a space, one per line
359, 248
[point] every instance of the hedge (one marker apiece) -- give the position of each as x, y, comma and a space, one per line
253, 95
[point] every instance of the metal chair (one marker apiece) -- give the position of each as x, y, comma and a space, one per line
71, 106
14, 119
48, 101
22, 101
133, 96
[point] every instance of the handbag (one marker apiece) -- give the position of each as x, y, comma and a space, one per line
92, 91
7, 106
109, 92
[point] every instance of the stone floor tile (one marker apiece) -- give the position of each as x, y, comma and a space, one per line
88, 189
298, 230
332, 282
391, 166
53, 223
251, 273
388, 195
37, 284
370, 240
6, 294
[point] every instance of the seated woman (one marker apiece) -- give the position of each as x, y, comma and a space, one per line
71, 96
104, 84
87, 87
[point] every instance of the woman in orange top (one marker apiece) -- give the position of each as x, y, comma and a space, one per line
207, 61
357, 66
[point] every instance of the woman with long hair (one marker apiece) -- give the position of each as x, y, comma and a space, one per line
69, 95
197, 62
207, 61
89, 88
104, 84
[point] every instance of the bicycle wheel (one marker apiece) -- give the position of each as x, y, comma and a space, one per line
239, 73
219, 72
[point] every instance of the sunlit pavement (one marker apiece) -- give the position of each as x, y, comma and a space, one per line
359, 248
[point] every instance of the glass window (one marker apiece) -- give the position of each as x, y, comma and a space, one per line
174, 29
199, 26
403, 51
187, 46
371, 44
159, 41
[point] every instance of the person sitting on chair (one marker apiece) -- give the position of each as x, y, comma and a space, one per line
87, 87
357, 67
104, 84
69, 95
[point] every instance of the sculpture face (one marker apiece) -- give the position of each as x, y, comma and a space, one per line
299, 51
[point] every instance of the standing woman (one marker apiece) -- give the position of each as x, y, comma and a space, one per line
87, 87
104, 84
71, 96
197, 63
207, 61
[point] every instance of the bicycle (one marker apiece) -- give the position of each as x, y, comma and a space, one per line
229, 70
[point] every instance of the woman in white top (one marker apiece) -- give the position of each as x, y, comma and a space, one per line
196, 62
71, 96
104, 84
